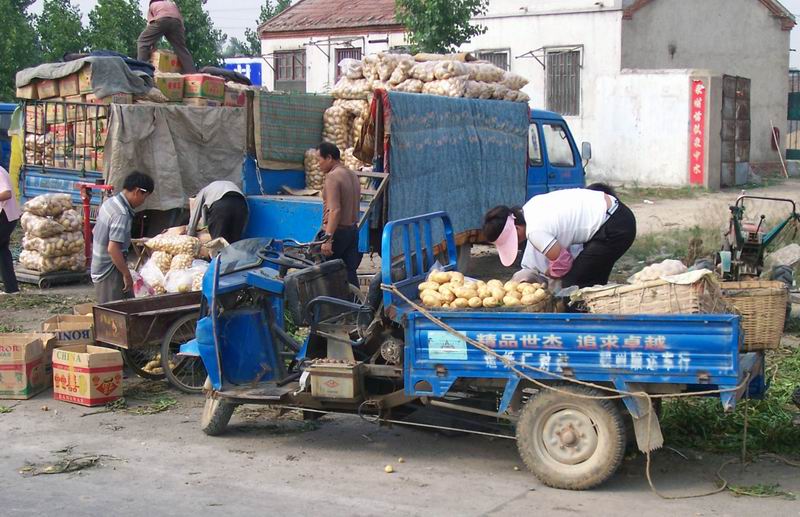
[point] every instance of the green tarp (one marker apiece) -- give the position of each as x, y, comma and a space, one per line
286, 126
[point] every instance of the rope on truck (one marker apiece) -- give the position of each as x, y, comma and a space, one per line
617, 394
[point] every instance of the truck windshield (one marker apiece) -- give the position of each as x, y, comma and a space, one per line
534, 147
559, 149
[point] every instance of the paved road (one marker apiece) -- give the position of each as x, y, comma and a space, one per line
268, 466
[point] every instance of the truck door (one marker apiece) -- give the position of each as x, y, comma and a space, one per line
537, 171
564, 167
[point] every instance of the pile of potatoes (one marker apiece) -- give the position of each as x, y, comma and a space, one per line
449, 289
53, 238
175, 244
431, 74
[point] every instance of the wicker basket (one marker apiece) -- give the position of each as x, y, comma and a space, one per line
658, 297
762, 305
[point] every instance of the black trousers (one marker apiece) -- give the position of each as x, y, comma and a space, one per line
594, 264
345, 247
227, 217
6, 260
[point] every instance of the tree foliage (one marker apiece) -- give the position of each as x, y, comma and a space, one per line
115, 25
440, 25
202, 39
269, 10
18, 45
60, 29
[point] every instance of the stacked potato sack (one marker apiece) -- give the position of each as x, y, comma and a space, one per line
314, 176
450, 290
53, 235
171, 267
439, 76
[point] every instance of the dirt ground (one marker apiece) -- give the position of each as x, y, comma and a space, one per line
162, 464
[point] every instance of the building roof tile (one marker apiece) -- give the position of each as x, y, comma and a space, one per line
329, 15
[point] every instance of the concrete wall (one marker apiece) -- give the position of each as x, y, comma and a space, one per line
320, 68
733, 37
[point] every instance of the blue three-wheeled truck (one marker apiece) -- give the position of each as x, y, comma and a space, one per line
569, 387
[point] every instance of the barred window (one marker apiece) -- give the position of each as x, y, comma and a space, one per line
345, 53
498, 58
564, 81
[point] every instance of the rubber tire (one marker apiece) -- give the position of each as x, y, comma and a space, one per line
216, 415
607, 420
165, 353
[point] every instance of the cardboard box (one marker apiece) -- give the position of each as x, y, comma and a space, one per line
69, 85
56, 110
96, 111
204, 86
75, 109
70, 330
117, 98
85, 80
85, 134
202, 103
235, 98
48, 344
62, 134
166, 62
22, 369
87, 375
171, 85
28, 92
47, 88
34, 120
100, 155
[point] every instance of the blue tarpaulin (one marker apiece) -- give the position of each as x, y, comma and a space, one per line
463, 156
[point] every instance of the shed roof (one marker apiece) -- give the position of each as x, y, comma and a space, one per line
775, 7
331, 17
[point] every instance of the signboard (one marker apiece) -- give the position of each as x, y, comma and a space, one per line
697, 134
250, 68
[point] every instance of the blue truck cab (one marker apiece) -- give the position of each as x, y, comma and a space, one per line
554, 161
6, 111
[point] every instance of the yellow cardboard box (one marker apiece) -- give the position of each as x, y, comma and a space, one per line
171, 85
69, 85
22, 368
70, 330
47, 88
166, 62
85, 79
28, 92
87, 375
117, 98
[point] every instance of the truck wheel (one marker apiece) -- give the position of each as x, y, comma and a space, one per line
569, 442
216, 415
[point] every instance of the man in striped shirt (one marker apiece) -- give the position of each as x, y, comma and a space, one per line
112, 238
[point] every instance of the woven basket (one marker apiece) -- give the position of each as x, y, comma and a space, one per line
658, 297
762, 305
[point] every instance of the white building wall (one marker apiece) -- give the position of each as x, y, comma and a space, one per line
320, 57
733, 37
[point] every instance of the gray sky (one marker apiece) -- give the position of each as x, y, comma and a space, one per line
230, 17
234, 17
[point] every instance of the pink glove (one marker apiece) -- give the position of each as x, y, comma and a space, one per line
562, 265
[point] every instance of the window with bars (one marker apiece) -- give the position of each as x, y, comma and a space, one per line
564, 81
498, 58
345, 53
290, 70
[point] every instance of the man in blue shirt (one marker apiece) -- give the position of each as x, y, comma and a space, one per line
112, 238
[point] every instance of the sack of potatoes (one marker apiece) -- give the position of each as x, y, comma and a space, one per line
451, 290
314, 177
174, 245
67, 243
49, 205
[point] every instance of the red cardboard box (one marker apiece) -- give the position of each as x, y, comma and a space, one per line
87, 375
22, 368
204, 86
235, 98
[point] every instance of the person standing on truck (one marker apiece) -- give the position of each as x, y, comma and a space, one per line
112, 238
165, 19
222, 207
341, 196
9, 215
555, 221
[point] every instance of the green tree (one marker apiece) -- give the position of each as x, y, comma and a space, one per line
60, 29
269, 10
19, 47
115, 25
202, 39
440, 25
236, 47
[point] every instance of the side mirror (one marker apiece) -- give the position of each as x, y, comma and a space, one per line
586, 151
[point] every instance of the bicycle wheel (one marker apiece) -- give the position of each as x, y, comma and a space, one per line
145, 361
185, 373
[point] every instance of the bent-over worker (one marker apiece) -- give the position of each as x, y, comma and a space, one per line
165, 19
555, 221
341, 196
112, 238
222, 208
9, 215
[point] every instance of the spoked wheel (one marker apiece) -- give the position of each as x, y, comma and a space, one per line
570, 442
185, 373
216, 415
357, 294
145, 361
